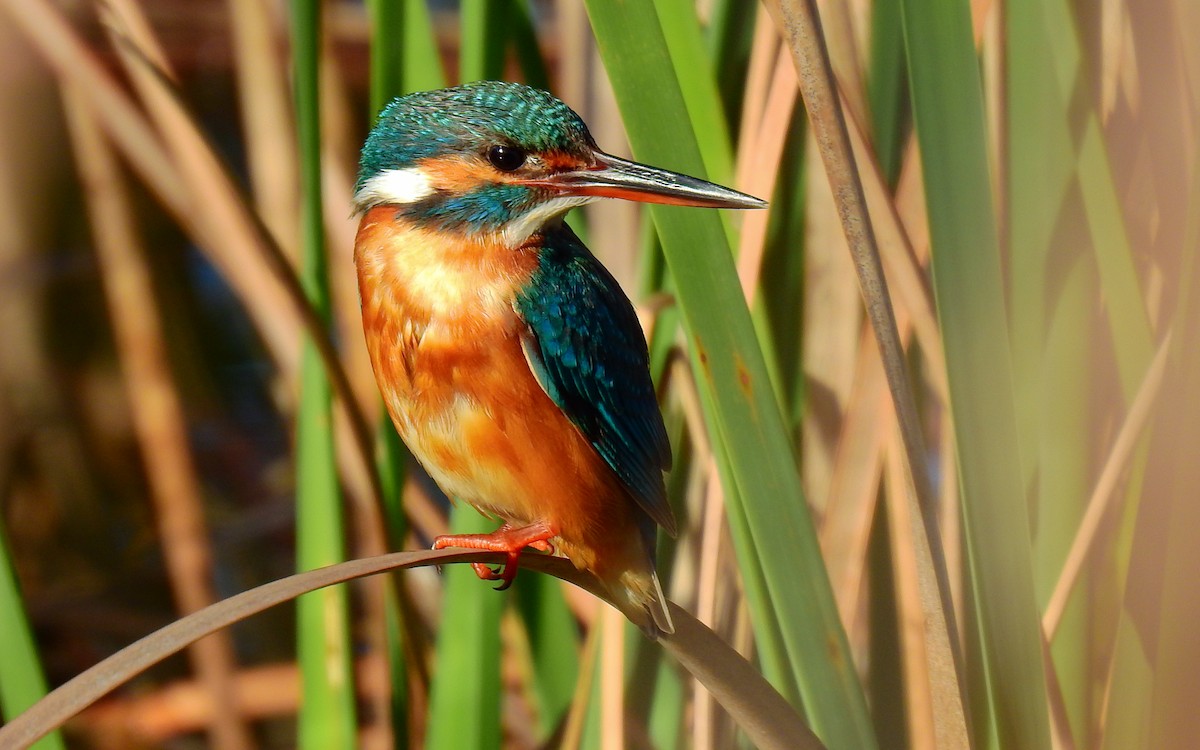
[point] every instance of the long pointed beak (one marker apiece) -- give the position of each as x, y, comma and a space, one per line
614, 177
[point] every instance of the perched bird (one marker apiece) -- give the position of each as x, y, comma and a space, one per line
512, 364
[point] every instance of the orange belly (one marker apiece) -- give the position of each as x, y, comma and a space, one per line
478, 421
445, 346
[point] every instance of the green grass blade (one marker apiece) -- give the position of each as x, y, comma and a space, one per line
327, 718
668, 710
1064, 479
387, 54
525, 45
21, 680
731, 367
1041, 169
553, 645
392, 461
404, 50
1050, 330
1050, 155
693, 70
589, 733
484, 37
782, 278
422, 58
1043, 37
948, 112
1132, 346
1132, 338
769, 640
885, 88
1128, 726
464, 700
729, 38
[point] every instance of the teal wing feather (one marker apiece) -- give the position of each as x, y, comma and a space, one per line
586, 349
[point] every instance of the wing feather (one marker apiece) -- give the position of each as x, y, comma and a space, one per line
586, 349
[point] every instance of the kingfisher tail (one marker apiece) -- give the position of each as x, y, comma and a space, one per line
639, 596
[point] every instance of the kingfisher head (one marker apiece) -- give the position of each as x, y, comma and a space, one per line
507, 159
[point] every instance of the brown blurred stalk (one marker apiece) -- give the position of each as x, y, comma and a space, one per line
264, 106
198, 190
801, 27
184, 706
157, 412
914, 654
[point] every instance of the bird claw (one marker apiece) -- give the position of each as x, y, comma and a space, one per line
499, 573
505, 579
507, 540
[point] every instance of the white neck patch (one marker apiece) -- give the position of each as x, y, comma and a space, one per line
407, 186
393, 186
521, 228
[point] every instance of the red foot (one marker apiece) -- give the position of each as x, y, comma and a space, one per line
504, 539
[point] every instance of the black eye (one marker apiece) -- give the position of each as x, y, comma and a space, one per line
506, 158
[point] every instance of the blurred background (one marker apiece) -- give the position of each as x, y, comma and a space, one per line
176, 176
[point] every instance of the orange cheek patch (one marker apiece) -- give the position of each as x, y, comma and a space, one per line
456, 174
460, 174
561, 161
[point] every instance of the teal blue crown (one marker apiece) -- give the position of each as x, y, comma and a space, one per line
464, 118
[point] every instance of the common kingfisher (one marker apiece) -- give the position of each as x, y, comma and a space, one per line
509, 359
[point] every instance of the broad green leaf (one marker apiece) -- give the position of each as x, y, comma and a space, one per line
1062, 202
730, 366
1052, 281
693, 69
484, 37
729, 37
464, 699
21, 680
525, 45
404, 50
553, 645
885, 88
948, 112
327, 716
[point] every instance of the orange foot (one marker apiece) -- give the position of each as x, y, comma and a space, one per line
504, 539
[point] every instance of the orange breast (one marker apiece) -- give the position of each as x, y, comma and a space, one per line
445, 343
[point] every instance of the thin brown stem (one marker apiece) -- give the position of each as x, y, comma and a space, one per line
761, 712
167, 96
157, 412
801, 27
1105, 492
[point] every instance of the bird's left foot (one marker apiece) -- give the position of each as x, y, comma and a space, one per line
505, 539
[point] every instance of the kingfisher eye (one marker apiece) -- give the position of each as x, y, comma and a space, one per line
506, 158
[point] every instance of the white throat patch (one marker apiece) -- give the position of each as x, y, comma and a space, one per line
393, 186
407, 186
520, 229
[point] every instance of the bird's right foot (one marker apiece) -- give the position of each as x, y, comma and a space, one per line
505, 539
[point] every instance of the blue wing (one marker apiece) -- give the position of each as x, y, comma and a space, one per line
586, 348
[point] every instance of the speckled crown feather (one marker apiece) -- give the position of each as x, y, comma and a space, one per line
429, 123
